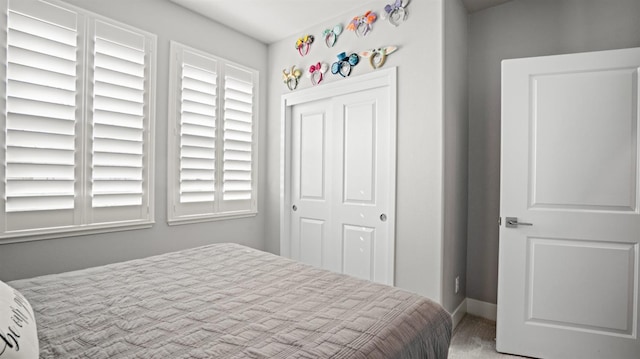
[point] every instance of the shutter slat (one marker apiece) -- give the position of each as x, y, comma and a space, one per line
127, 53
31, 42
113, 63
117, 146
198, 108
43, 29
20, 122
28, 91
42, 77
41, 61
118, 92
197, 152
118, 78
199, 97
117, 173
199, 86
117, 133
118, 119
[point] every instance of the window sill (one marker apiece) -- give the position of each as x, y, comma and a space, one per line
28, 236
209, 218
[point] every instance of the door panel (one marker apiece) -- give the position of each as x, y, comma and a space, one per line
361, 187
357, 251
580, 107
568, 284
310, 182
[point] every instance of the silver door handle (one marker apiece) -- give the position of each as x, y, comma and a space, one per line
512, 222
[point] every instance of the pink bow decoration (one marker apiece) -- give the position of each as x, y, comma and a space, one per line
316, 72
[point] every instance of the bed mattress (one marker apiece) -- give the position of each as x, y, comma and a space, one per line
229, 301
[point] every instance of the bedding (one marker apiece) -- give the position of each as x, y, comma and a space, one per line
229, 301
18, 338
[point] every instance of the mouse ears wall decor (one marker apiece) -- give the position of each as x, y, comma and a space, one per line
316, 72
344, 64
396, 12
377, 57
331, 35
362, 25
303, 44
291, 78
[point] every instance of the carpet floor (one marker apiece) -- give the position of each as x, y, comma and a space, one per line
474, 337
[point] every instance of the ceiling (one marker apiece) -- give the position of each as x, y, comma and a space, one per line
273, 20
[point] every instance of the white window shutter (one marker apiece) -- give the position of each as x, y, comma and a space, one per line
79, 102
212, 142
198, 116
118, 117
238, 158
41, 116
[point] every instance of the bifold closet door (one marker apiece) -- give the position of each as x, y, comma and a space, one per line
341, 191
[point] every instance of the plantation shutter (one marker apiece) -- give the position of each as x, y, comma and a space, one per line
119, 119
78, 96
237, 168
212, 141
198, 115
41, 116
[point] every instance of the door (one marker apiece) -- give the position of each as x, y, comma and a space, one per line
341, 187
568, 283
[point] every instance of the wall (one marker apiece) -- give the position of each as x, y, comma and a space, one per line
169, 22
521, 28
419, 151
456, 132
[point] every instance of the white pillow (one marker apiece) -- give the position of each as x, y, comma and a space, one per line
18, 335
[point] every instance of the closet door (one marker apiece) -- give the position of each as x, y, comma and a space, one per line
343, 184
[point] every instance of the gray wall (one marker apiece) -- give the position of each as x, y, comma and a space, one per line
521, 28
456, 132
169, 22
419, 150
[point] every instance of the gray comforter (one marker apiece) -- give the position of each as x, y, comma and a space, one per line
229, 301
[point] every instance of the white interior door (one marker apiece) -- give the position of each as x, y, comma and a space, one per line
568, 283
342, 186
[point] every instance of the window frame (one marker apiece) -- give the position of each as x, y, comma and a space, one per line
84, 222
175, 215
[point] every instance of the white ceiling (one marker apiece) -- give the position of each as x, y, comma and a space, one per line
273, 20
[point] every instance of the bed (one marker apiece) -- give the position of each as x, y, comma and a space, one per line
229, 301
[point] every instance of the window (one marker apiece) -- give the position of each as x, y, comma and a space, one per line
212, 137
78, 122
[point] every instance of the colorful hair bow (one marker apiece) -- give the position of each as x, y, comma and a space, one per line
377, 57
291, 78
303, 44
344, 64
362, 24
316, 72
396, 12
331, 35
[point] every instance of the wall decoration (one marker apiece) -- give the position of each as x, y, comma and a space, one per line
362, 25
396, 12
331, 35
377, 57
344, 64
304, 44
316, 72
291, 78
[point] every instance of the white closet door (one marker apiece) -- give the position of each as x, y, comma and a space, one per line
342, 184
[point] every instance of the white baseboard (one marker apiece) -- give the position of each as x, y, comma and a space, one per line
474, 307
459, 313
482, 309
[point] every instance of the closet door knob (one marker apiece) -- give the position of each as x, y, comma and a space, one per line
294, 208
383, 217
